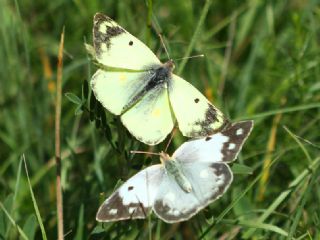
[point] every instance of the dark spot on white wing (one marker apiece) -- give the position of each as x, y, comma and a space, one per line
221, 170
130, 43
99, 37
208, 138
114, 209
130, 188
196, 100
172, 215
231, 148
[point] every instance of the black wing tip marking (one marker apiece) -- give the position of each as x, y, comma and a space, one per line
220, 169
162, 211
237, 134
101, 17
114, 210
99, 37
211, 116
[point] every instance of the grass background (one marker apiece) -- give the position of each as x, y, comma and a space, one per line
261, 62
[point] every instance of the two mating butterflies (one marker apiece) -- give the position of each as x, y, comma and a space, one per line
133, 83
195, 175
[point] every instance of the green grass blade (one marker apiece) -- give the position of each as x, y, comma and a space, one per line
22, 234
301, 205
306, 153
234, 202
43, 232
195, 36
264, 226
305, 194
16, 190
80, 227
283, 196
281, 110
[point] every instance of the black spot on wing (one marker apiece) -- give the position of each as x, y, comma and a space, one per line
104, 37
237, 134
114, 210
208, 138
196, 100
130, 43
130, 188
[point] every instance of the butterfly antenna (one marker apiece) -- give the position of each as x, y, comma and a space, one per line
171, 137
164, 46
144, 152
194, 56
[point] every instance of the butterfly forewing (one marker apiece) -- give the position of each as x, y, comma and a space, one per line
115, 47
134, 198
208, 181
237, 134
220, 147
116, 90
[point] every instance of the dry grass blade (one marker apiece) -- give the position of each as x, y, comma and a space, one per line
267, 159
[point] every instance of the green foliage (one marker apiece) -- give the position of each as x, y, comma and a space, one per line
261, 62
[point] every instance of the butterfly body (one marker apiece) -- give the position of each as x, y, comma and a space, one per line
174, 169
158, 78
133, 83
162, 73
183, 184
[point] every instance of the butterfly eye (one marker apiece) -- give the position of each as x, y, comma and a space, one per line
130, 43
196, 100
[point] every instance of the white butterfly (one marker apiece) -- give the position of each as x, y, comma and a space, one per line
133, 83
195, 175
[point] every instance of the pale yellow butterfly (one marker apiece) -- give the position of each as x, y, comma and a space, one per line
133, 83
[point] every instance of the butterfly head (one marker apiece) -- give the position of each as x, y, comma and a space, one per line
164, 157
169, 65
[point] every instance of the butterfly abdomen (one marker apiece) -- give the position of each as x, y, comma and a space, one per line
174, 170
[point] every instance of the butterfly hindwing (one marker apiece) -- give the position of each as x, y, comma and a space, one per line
134, 198
208, 181
115, 47
150, 119
196, 116
220, 147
